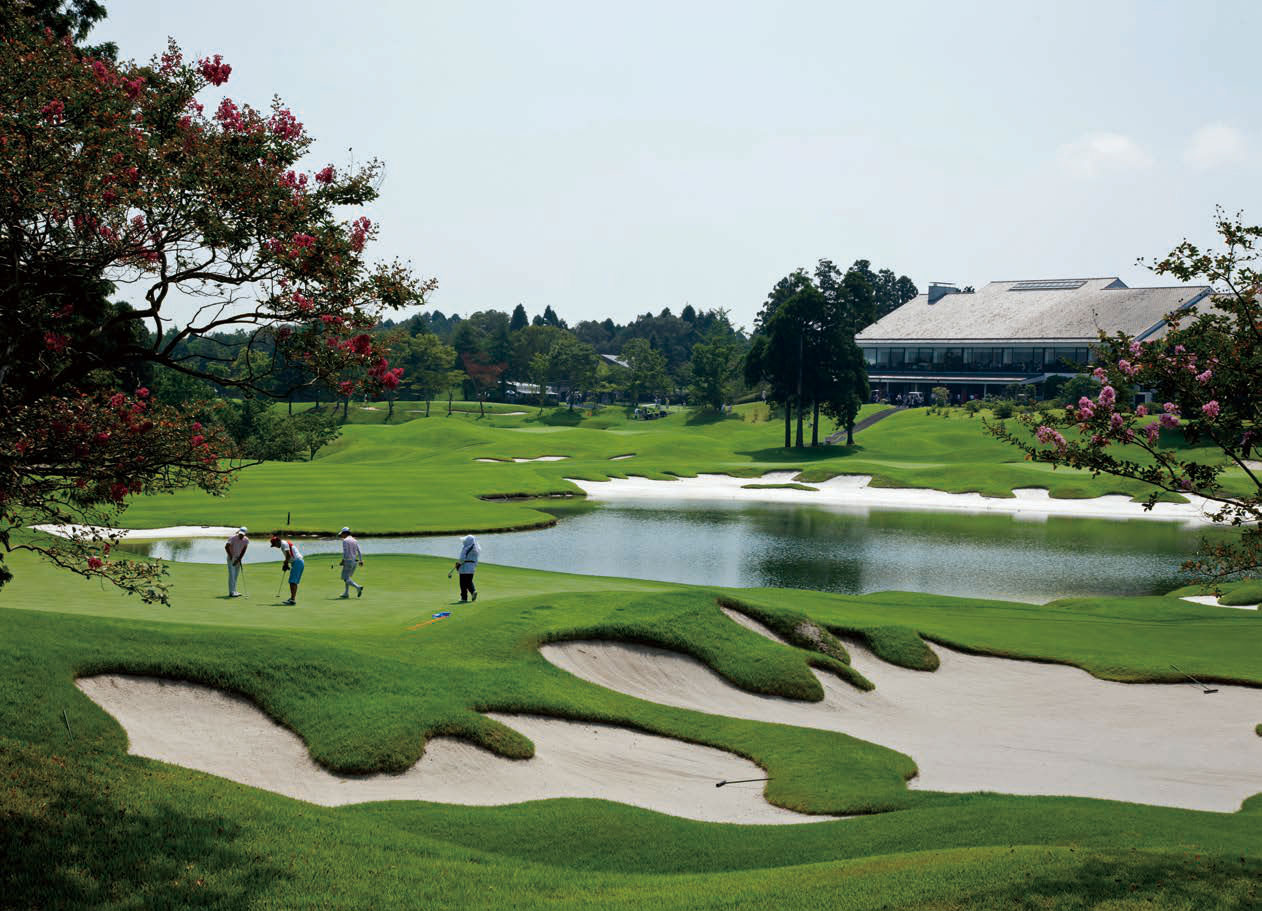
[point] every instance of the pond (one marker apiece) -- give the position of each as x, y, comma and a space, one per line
828, 549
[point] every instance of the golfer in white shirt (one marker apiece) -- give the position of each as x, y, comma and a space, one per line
352, 557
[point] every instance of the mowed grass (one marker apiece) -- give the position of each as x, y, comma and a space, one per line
422, 476
85, 826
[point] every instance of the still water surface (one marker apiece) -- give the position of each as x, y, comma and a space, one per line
738, 544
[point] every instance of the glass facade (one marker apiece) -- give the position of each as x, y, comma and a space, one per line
976, 359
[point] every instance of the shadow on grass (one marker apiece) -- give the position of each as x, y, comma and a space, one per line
1137, 879
71, 840
562, 417
705, 416
805, 454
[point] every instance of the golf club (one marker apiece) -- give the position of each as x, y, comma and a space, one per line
281, 583
739, 781
450, 571
1204, 689
241, 576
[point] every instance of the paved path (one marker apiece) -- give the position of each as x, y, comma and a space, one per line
866, 423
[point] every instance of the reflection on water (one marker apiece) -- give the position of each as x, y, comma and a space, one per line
985, 555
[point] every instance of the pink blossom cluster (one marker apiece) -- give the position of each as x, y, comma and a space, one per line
1050, 435
385, 375
133, 87
229, 116
305, 304
54, 111
55, 341
325, 174
214, 70
293, 181
284, 125
359, 233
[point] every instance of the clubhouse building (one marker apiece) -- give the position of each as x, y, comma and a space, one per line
977, 343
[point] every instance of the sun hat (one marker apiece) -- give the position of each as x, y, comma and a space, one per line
243, 529
345, 530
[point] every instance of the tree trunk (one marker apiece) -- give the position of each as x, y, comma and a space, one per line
482, 405
448, 403
346, 409
390, 413
850, 432
798, 439
815, 426
799, 395
788, 423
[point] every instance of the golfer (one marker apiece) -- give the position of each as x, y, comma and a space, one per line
235, 549
467, 565
293, 563
352, 557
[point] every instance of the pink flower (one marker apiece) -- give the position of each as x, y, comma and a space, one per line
285, 125
133, 87
1170, 408
1116, 421
1108, 395
1047, 434
359, 233
346, 388
360, 344
1127, 368
143, 392
197, 425
1179, 349
102, 71
1169, 420
1205, 377
302, 241
215, 71
1153, 431
325, 175
55, 342
1099, 374
170, 60
305, 304
197, 439
94, 563
117, 400
1210, 409
1141, 410
229, 115
54, 111
1136, 349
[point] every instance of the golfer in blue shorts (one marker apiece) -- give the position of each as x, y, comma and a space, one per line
293, 563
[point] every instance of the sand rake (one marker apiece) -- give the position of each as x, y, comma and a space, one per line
1204, 689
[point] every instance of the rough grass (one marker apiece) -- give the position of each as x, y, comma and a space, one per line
85, 826
420, 477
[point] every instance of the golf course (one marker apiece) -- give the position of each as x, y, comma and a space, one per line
557, 743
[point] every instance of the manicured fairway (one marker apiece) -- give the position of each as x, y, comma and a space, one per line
85, 826
422, 476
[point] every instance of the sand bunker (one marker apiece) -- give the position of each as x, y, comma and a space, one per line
988, 724
853, 491
1212, 601
214, 732
173, 531
540, 459
630, 455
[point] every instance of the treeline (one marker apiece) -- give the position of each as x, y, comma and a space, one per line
801, 356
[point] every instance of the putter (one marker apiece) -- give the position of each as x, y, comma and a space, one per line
1204, 689
241, 571
280, 584
450, 571
739, 781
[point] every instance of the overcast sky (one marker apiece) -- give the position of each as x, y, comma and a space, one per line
611, 160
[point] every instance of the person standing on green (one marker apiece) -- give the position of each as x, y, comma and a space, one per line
235, 549
352, 557
467, 565
293, 563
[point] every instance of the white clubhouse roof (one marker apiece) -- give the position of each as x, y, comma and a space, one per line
1057, 311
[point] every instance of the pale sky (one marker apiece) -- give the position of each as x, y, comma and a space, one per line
611, 160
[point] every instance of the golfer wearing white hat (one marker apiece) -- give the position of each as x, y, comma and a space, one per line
235, 549
352, 557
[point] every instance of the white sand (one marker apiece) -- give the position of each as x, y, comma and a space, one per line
854, 492
989, 724
224, 735
174, 531
1214, 602
540, 459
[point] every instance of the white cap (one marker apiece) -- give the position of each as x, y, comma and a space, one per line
345, 531
242, 529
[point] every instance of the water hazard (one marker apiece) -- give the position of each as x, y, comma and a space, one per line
989, 556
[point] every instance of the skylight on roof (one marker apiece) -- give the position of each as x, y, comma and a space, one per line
1055, 284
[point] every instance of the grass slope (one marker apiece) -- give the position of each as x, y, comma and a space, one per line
84, 826
421, 476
